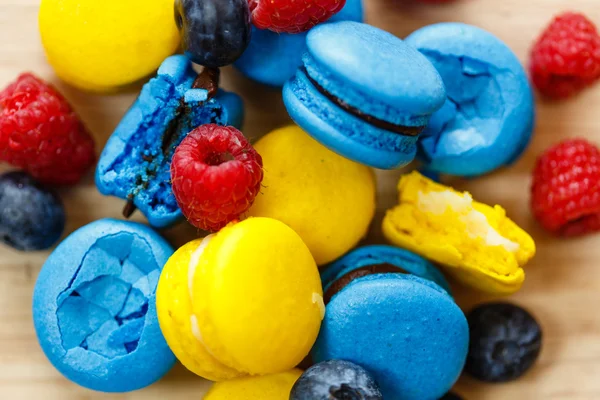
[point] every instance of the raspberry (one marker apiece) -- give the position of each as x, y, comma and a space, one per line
566, 57
566, 188
216, 175
40, 133
292, 16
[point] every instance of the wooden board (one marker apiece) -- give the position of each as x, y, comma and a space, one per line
563, 282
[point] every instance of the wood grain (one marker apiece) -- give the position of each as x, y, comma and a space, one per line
563, 282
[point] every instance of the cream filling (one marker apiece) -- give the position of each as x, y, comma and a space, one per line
476, 223
318, 300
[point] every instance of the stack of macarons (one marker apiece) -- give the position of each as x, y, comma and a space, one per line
115, 306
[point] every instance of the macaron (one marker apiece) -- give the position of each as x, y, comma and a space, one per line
381, 259
244, 301
135, 163
103, 46
363, 93
268, 387
94, 307
405, 330
272, 58
474, 242
327, 199
489, 115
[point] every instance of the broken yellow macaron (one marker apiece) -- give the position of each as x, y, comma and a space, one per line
476, 243
268, 387
326, 198
244, 301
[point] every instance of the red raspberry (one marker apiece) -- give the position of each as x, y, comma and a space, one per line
40, 133
216, 175
566, 57
566, 188
292, 16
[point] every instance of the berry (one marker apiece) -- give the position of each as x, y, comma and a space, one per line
505, 342
566, 188
31, 217
566, 57
335, 379
216, 175
451, 396
40, 133
215, 32
292, 16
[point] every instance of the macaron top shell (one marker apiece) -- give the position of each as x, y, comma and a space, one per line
488, 118
257, 297
406, 262
406, 331
268, 387
94, 307
374, 71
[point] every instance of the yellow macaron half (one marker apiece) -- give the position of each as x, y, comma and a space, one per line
476, 243
326, 198
244, 301
268, 387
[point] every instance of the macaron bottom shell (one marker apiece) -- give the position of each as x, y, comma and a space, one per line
268, 387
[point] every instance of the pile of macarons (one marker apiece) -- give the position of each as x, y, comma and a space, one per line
286, 302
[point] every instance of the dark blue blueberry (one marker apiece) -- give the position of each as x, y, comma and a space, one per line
215, 33
335, 379
31, 217
505, 342
451, 396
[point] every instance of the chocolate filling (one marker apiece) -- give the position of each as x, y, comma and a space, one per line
345, 279
376, 122
208, 80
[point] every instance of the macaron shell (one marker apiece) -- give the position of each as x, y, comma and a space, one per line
303, 178
174, 308
406, 261
94, 307
342, 132
495, 120
269, 387
257, 296
405, 330
492, 269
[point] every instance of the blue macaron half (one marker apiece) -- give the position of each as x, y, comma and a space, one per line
94, 307
363, 93
404, 260
489, 115
135, 163
405, 330
272, 58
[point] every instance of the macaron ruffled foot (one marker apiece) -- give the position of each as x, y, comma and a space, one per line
476, 243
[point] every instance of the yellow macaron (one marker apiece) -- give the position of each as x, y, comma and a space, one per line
476, 243
244, 301
269, 387
104, 45
326, 198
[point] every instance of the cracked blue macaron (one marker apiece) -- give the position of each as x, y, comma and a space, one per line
94, 307
489, 115
405, 329
135, 163
384, 259
363, 93
272, 58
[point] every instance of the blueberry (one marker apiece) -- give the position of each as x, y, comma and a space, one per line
215, 32
335, 379
505, 342
31, 217
451, 396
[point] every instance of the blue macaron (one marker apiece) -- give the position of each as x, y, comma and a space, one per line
404, 329
363, 93
488, 118
94, 307
367, 256
135, 163
272, 58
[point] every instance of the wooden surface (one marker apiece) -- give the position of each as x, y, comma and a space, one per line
563, 282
